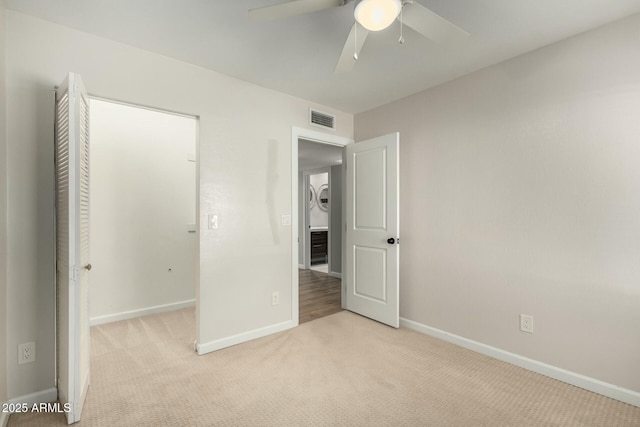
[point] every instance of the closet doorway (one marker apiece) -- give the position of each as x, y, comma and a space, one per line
144, 243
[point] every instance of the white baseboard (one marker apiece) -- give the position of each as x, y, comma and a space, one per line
43, 396
49, 395
210, 346
301, 267
336, 275
613, 391
108, 318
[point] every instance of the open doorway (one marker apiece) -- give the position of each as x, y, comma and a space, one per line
320, 186
128, 163
320, 228
143, 211
317, 214
298, 234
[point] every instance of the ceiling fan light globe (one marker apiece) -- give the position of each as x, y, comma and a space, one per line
376, 15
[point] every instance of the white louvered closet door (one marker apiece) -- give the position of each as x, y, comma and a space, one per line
72, 244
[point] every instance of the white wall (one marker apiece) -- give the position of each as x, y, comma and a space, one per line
3, 211
317, 216
519, 194
245, 170
143, 195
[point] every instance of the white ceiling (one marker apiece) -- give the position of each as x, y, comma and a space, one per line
314, 155
297, 55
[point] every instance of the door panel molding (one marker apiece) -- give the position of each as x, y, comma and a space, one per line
372, 229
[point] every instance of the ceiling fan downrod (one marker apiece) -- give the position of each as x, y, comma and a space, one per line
401, 39
355, 42
404, 3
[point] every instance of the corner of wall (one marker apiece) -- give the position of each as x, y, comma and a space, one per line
612, 391
4, 419
3, 217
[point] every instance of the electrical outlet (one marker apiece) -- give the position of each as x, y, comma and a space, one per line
526, 323
26, 353
275, 298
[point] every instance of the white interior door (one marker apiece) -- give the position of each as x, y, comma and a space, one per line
72, 244
372, 228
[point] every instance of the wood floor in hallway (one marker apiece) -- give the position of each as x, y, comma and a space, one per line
319, 295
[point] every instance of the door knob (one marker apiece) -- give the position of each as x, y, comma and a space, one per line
88, 267
391, 240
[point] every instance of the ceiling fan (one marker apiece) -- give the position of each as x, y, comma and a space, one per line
370, 15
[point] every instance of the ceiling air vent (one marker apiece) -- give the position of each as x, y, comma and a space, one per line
324, 120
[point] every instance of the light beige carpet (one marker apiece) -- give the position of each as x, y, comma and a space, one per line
339, 370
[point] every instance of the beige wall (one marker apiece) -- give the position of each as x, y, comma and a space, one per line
520, 194
245, 178
3, 210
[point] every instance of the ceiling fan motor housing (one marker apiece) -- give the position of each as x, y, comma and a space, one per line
376, 15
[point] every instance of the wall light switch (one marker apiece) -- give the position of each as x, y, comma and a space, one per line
191, 228
286, 219
213, 222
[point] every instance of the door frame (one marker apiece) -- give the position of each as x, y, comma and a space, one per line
197, 198
91, 97
322, 138
306, 218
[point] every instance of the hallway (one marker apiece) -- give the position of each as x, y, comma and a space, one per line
320, 295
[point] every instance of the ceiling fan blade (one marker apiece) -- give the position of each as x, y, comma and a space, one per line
354, 44
291, 8
430, 24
